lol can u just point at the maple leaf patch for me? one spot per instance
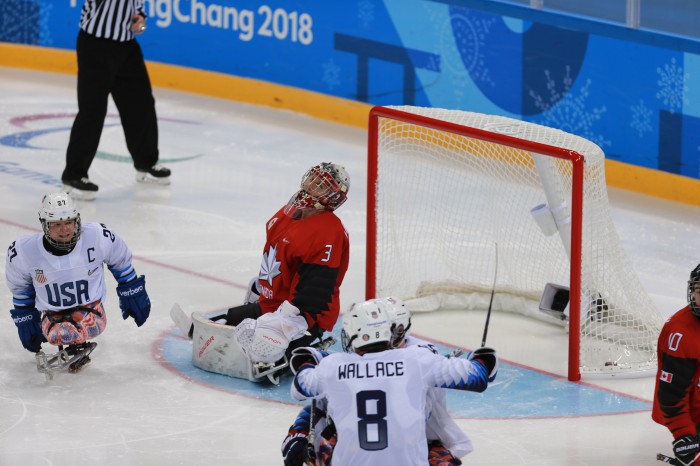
(270, 266)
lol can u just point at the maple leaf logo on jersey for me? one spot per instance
(270, 266)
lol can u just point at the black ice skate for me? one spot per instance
(82, 189)
(157, 174)
(72, 359)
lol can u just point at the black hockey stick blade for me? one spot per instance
(668, 459)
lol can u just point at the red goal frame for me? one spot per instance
(576, 159)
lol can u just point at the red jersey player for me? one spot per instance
(295, 297)
(677, 394)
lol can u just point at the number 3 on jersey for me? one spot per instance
(327, 254)
(372, 426)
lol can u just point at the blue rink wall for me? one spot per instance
(634, 92)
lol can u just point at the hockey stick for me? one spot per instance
(668, 459)
(182, 320)
(493, 291)
(458, 352)
(311, 447)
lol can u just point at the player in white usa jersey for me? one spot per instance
(376, 396)
(57, 280)
(446, 441)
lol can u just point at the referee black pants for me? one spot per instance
(110, 67)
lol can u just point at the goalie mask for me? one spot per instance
(694, 291)
(399, 317)
(366, 328)
(59, 207)
(324, 187)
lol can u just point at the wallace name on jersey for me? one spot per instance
(370, 369)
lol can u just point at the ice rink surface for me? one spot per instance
(199, 241)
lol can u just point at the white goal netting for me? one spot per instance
(449, 207)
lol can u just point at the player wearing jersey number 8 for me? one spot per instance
(365, 388)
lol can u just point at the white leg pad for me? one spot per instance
(215, 349)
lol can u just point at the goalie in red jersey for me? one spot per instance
(295, 297)
(677, 394)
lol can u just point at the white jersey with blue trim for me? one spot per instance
(378, 400)
(37, 278)
(440, 425)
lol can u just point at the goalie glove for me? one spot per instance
(252, 295)
(487, 356)
(271, 333)
(687, 449)
(305, 355)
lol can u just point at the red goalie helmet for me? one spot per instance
(694, 291)
(323, 187)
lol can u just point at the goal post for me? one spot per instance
(446, 186)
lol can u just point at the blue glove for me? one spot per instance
(134, 301)
(28, 322)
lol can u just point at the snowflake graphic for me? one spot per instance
(270, 266)
(331, 74)
(641, 118)
(566, 111)
(45, 30)
(365, 13)
(673, 85)
(461, 45)
(19, 20)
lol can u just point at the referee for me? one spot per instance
(110, 61)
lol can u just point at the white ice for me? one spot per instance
(199, 241)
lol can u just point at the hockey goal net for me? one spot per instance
(461, 203)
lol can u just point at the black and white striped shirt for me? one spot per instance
(110, 19)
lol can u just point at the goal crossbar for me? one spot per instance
(497, 134)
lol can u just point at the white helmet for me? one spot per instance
(59, 207)
(366, 328)
(399, 317)
(323, 187)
